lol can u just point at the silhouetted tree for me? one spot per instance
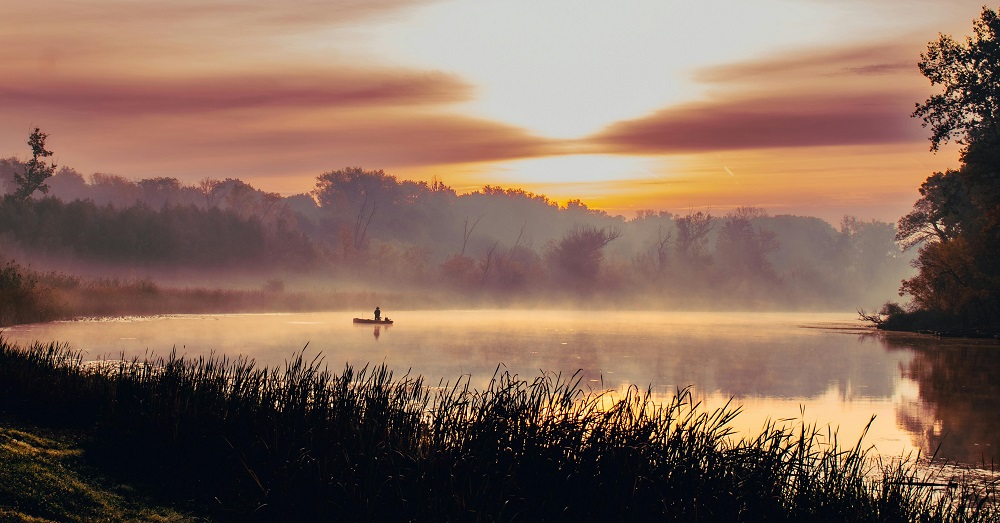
(956, 221)
(157, 192)
(870, 257)
(692, 239)
(67, 184)
(940, 212)
(113, 189)
(742, 247)
(351, 197)
(36, 170)
(212, 190)
(969, 108)
(578, 256)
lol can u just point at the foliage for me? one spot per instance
(578, 256)
(36, 170)
(493, 245)
(302, 443)
(353, 198)
(969, 108)
(21, 298)
(939, 214)
(43, 477)
(692, 238)
(180, 234)
(956, 221)
(742, 247)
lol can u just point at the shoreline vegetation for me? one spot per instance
(895, 318)
(27, 296)
(235, 442)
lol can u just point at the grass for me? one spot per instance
(43, 478)
(302, 443)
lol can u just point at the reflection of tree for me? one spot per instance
(959, 386)
(744, 363)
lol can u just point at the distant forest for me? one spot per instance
(367, 229)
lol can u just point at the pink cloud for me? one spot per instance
(123, 96)
(782, 120)
(818, 65)
(277, 143)
(829, 97)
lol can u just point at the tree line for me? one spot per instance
(368, 227)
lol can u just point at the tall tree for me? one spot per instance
(36, 171)
(352, 196)
(969, 108)
(577, 258)
(692, 239)
(956, 221)
(742, 247)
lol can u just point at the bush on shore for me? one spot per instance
(893, 317)
(22, 299)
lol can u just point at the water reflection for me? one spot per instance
(924, 392)
(959, 397)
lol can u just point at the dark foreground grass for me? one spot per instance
(301, 443)
(44, 478)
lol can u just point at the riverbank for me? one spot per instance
(303, 443)
(894, 318)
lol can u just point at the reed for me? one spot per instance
(22, 299)
(303, 443)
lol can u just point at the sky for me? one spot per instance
(797, 106)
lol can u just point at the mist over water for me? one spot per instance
(824, 368)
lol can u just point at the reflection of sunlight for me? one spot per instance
(907, 390)
(838, 183)
(844, 419)
(768, 361)
(601, 181)
(577, 168)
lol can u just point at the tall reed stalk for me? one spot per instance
(301, 443)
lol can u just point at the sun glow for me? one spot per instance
(629, 105)
(565, 70)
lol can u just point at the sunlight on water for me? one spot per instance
(823, 369)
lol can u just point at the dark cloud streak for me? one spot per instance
(128, 97)
(883, 58)
(778, 121)
(860, 95)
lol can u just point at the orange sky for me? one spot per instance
(797, 106)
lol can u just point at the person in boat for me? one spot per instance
(378, 314)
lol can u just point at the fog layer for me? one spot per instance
(367, 230)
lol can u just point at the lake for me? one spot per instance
(926, 394)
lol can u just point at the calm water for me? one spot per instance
(818, 368)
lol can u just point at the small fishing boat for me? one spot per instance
(384, 321)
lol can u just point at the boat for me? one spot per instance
(384, 321)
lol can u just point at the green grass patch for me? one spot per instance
(43, 477)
